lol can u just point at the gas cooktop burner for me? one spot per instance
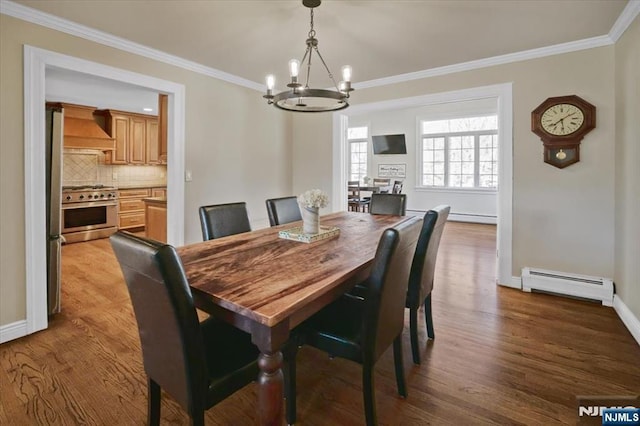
(85, 187)
(84, 193)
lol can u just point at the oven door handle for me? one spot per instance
(89, 204)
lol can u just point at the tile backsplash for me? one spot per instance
(84, 167)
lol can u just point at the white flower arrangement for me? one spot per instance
(313, 198)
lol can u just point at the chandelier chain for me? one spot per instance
(312, 32)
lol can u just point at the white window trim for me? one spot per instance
(456, 190)
(420, 152)
(369, 147)
(366, 141)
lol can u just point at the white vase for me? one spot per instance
(310, 220)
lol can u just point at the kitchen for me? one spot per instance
(111, 171)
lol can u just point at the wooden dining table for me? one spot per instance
(266, 285)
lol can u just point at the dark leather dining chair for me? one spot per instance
(388, 204)
(197, 364)
(283, 210)
(361, 329)
(422, 274)
(220, 220)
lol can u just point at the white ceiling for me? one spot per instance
(82, 89)
(250, 39)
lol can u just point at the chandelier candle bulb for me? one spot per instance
(346, 73)
(271, 82)
(294, 67)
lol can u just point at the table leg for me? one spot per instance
(270, 388)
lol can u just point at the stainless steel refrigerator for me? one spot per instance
(53, 148)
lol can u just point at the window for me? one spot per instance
(358, 138)
(460, 153)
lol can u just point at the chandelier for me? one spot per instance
(300, 97)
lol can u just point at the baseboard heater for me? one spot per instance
(594, 288)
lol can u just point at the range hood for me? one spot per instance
(81, 131)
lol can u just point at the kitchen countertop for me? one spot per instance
(157, 200)
(138, 185)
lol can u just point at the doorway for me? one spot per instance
(503, 94)
(35, 62)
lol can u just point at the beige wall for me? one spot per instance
(562, 219)
(627, 228)
(236, 147)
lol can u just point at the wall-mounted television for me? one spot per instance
(389, 144)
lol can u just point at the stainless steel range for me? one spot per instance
(89, 212)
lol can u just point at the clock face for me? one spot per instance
(562, 119)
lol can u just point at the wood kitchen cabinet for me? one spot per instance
(131, 213)
(136, 137)
(163, 112)
(131, 207)
(156, 218)
(138, 141)
(159, 192)
(152, 145)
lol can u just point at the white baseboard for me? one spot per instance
(13, 331)
(628, 318)
(516, 282)
(473, 218)
(460, 217)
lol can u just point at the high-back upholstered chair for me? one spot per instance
(220, 220)
(361, 329)
(422, 273)
(283, 210)
(198, 364)
(388, 204)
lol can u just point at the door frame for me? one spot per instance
(36, 61)
(504, 94)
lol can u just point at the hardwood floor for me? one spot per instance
(500, 356)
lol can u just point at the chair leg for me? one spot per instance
(197, 417)
(399, 364)
(368, 391)
(428, 317)
(289, 371)
(153, 403)
(413, 331)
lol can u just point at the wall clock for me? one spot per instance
(561, 123)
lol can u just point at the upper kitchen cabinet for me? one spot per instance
(163, 112)
(153, 148)
(136, 137)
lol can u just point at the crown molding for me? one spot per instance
(46, 20)
(10, 8)
(541, 52)
(625, 19)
